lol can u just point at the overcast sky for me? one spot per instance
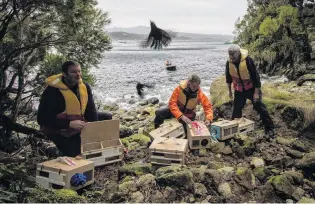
(195, 16)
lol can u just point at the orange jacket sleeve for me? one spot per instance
(206, 104)
(172, 104)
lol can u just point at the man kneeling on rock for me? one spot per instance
(65, 106)
(183, 102)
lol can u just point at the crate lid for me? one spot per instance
(57, 165)
(169, 144)
(165, 128)
(100, 131)
(225, 123)
(204, 131)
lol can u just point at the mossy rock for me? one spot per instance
(143, 140)
(284, 141)
(245, 178)
(146, 181)
(213, 176)
(127, 187)
(307, 163)
(294, 177)
(169, 169)
(249, 146)
(260, 173)
(200, 189)
(39, 195)
(282, 186)
(199, 173)
(125, 131)
(126, 179)
(181, 180)
(135, 169)
(306, 200)
(111, 107)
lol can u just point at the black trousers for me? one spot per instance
(71, 146)
(165, 113)
(240, 101)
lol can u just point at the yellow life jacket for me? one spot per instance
(191, 103)
(74, 106)
(243, 78)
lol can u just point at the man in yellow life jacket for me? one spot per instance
(66, 104)
(183, 102)
(242, 73)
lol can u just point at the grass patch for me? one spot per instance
(274, 94)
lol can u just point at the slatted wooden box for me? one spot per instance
(198, 140)
(57, 175)
(245, 125)
(224, 129)
(169, 129)
(168, 151)
(100, 142)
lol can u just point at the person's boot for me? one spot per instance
(270, 133)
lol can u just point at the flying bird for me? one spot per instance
(157, 38)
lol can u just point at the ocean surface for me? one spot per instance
(127, 63)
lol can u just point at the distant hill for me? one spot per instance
(140, 33)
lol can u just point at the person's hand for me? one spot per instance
(185, 119)
(208, 123)
(231, 95)
(77, 124)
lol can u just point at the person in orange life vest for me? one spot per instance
(65, 106)
(183, 102)
(241, 71)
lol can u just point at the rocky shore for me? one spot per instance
(247, 168)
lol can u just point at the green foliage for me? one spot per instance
(276, 36)
(268, 26)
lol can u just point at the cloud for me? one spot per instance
(207, 16)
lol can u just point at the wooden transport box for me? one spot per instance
(54, 174)
(100, 142)
(198, 139)
(167, 151)
(245, 125)
(169, 129)
(224, 129)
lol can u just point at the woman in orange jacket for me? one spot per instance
(183, 102)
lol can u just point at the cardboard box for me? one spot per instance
(245, 125)
(57, 175)
(100, 142)
(167, 151)
(169, 129)
(224, 129)
(198, 139)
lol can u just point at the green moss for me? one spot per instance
(306, 200)
(39, 195)
(241, 170)
(139, 138)
(136, 169)
(259, 172)
(168, 169)
(126, 179)
(125, 142)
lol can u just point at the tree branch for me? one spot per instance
(5, 121)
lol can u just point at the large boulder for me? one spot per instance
(224, 190)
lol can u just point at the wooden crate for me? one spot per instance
(245, 125)
(198, 140)
(224, 129)
(169, 129)
(100, 142)
(54, 174)
(167, 151)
